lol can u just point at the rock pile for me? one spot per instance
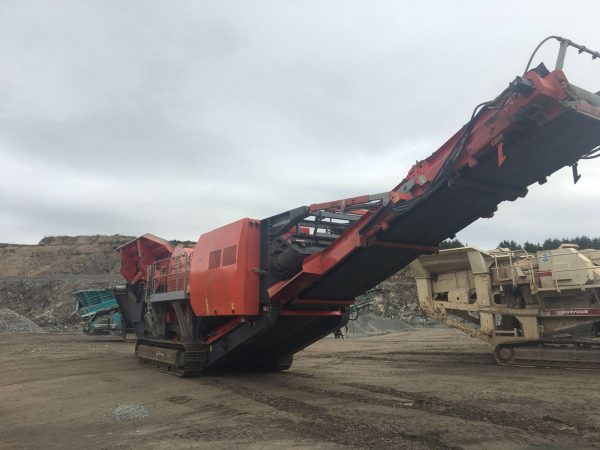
(11, 322)
(368, 324)
(396, 298)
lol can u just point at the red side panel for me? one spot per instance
(223, 279)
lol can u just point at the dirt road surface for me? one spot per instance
(424, 388)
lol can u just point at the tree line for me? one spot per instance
(532, 247)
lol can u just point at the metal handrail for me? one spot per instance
(173, 268)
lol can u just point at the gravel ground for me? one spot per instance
(11, 322)
(417, 389)
(130, 411)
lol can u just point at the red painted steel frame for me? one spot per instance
(305, 313)
(341, 205)
(224, 329)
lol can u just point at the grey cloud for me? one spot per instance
(177, 118)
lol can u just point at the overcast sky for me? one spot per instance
(178, 117)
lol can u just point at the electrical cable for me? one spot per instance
(558, 38)
(580, 48)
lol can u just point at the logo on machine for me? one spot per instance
(575, 312)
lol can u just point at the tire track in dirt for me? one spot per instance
(438, 406)
(425, 358)
(547, 425)
(319, 423)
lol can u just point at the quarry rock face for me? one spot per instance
(37, 281)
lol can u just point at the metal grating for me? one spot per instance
(214, 259)
(229, 255)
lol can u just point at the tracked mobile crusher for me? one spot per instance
(255, 292)
(539, 309)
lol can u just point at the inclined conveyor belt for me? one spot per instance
(531, 155)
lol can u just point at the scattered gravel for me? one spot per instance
(370, 324)
(11, 322)
(130, 411)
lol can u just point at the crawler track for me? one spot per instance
(561, 354)
(178, 358)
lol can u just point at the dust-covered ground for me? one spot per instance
(416, 388)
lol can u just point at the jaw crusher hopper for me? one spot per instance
(538, 309)
(254, 292)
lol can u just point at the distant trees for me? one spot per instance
(451, 243)
(175, 242)
(532, 247)
(511, 245)
(552, 243)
